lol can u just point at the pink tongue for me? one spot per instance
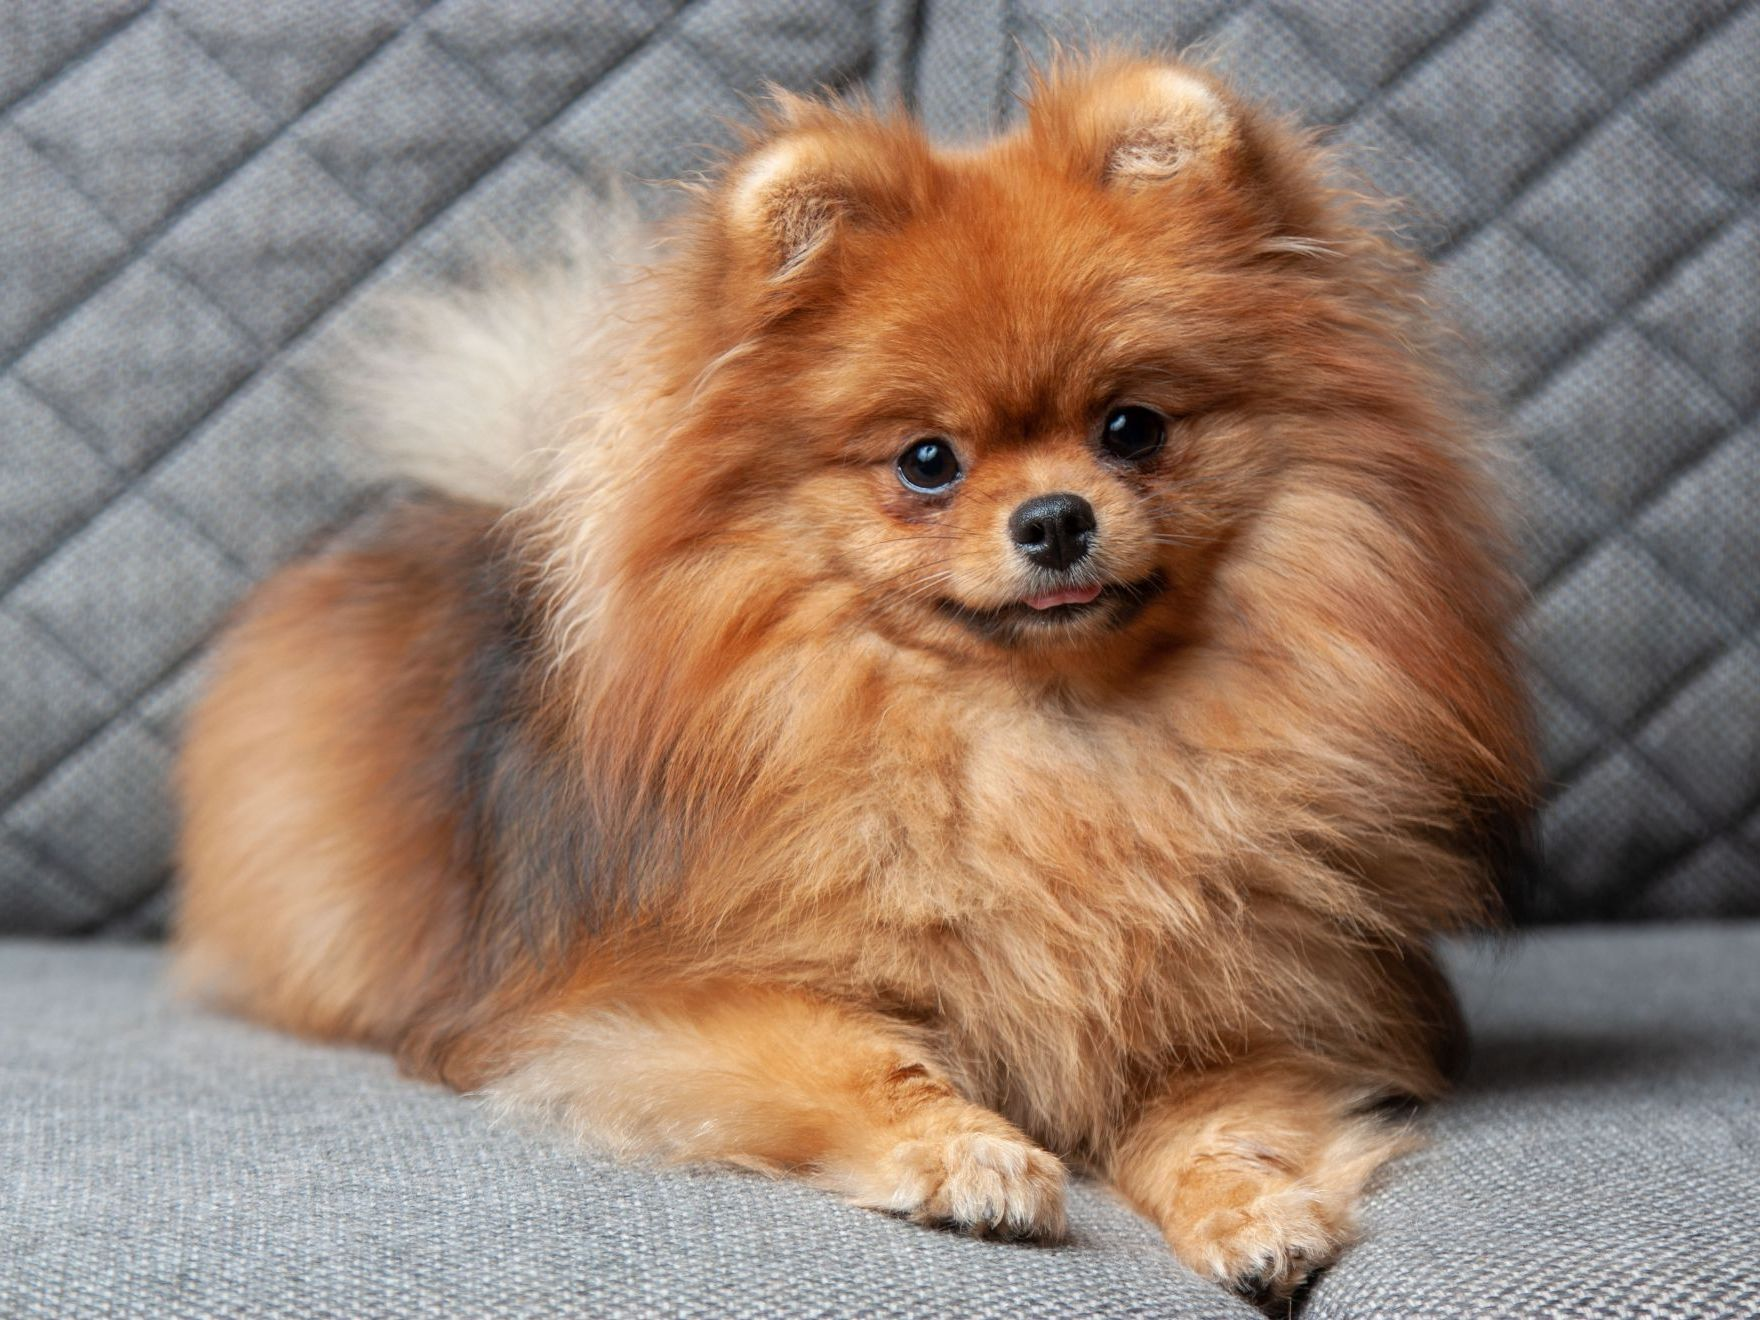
(1068, 596)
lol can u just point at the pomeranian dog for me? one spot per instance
(978, 662)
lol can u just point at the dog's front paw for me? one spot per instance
(1259, 1236)
(1260, 1220)
(983, 1182)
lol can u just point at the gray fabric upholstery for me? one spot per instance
(198, 193)
(166, 1164)
(1603, 1156)
(1602, 1159)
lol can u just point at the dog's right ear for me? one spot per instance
(818, 173)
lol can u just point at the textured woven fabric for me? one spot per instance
(1588, 175)
(165, 1164)
(1602, 1159)
(199, 192)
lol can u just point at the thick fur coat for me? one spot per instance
(731, 788)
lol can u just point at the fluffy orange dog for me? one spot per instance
(1007, 668)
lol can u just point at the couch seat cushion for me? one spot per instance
(159, 1161)
(1603, 1158)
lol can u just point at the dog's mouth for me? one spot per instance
(1089, 607)
(1052, 600)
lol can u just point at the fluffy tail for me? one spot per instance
(463, 390)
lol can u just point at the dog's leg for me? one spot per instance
(781, 1082)
(1253, 1172)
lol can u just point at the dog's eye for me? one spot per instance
(928, 466)
(1133, 433)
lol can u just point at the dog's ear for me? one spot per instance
(816, 173)
(1160, 130)
(1138, 123)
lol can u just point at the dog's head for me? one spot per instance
(1021, 398)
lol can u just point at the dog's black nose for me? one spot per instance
(1053, 530)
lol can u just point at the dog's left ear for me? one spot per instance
(1138, 123)
(1170, 131)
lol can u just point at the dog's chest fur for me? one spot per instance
(1036, 886)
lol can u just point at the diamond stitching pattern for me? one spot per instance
(1588, 185)
(209, 190)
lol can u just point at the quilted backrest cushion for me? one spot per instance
(194, 197)
(1587, 175)
(197, 195)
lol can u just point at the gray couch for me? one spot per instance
(196, 197)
